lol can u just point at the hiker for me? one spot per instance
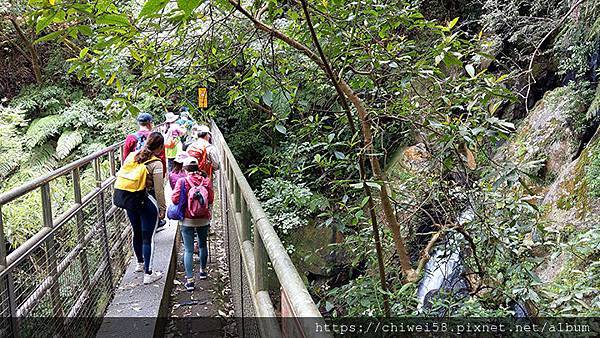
(196, 222)
(186, 122)
(136, 141)
(139, 189)
(173, 141)
(177, 171)
(206, 153)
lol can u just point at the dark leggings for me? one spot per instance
(144, 221)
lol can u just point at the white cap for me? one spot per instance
(190, 161)
(181, 156)
(203, 129)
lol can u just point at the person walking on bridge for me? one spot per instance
(196, 222)
(173, 140)
(135, 142)
(139, 189)
(205, 152)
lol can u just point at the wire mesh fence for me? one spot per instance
(60, 280)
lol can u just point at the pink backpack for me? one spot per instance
(197, 199)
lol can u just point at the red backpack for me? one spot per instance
(197, 198)
(200, 152)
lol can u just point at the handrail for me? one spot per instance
(40, 181)
(72, 245)
(265, 238)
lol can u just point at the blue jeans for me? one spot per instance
(188, 234)
(144, 221)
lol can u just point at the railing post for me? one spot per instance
(51, 251)
(245, 226)
(85, 273)
(8, 288)
(102, 213)
(111, 159)
(260, 262)
(230, 178)
(237, 196)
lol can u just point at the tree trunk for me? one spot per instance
(33, 55)
(343, 87)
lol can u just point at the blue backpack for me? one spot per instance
(140, 140)
(177, 211)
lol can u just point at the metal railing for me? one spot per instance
(70, 266)
(255, 252)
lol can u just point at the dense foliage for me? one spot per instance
(313, 96)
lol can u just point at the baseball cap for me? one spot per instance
(190, 160)
(144, 118)
(203, 129)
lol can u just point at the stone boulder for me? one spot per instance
(548, 133)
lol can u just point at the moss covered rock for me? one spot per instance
(548, 133)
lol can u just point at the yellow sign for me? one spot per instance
(202, 97)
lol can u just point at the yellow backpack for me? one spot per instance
(132, 175)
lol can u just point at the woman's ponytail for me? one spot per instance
(154, 142)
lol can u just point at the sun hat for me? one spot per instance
(203, 129)
(181, 156)
(144, 118)
(190, 160)
(170, 117)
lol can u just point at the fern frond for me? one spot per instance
(67, 142)
(44, 99)
(42, 129)
(41, 159)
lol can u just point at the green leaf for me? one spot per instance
(113, 20)
(452, 23)
(280, 128)
(339, 155)
(364, 201)
(268, 98)
(470, 70)
(83, 52)
(85, 30)
(188, 6)
(152, 7)
(48, 37)
(135, 55)
(44, 21)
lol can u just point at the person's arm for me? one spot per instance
(159, 187)
(211, 191)
(163, 159)
(214, 158)
(129, 146)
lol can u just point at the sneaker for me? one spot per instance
(189, 284)
(139, 267)
(153, 277)
(203, 275)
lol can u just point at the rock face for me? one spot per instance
(547, 133)
(572, 203)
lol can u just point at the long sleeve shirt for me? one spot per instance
(155, 182)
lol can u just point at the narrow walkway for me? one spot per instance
(207, 311)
